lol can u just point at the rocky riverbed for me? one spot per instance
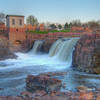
(45, 87)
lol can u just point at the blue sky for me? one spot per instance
(60, 11)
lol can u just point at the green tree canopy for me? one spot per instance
(60, 26)
(66, 25)
(53, 26)
(70, 24)
(32, 20)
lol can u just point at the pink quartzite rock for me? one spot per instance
(42, 82)
(86, 56)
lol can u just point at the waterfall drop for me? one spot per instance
(36, 47)
(62, 49)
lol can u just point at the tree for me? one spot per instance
(32, 20)
(60, 26)
(99, 22)
(47, 25)
(66, 25)
(70, 24)
(93, 24)
(76, 23)
(53, 26)
(2, 18)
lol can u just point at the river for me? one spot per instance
(13, 72)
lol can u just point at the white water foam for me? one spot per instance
(59, 61)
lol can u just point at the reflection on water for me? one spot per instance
(73, 79)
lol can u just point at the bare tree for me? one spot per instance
(2, 18)
(76, 23)
(93, 24)
(32, 20)
(47, 24)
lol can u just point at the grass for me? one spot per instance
(68, 30)
(46, 32)
(37, 32)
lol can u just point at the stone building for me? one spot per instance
(15, 21)
(15, 28)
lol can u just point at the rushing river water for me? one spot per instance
(13, 72)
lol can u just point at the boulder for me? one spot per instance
(86, 96)
(82, 88)
(53, 74)
(42, 82)
(86, 56)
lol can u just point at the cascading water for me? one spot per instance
(36, 47)
(62, 49)
(54, 48)
(13, 72)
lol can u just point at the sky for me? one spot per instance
(57, 11)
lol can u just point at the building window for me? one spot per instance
(20, 22)
(13, 21)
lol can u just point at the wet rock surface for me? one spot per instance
(5, 52)
(27, 45)
(86, 57)
(83, 88)
(42, 82)
(47, 45)
(41, 95)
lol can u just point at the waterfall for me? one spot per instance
(36, 47)
(54, 47)
(62, 49)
